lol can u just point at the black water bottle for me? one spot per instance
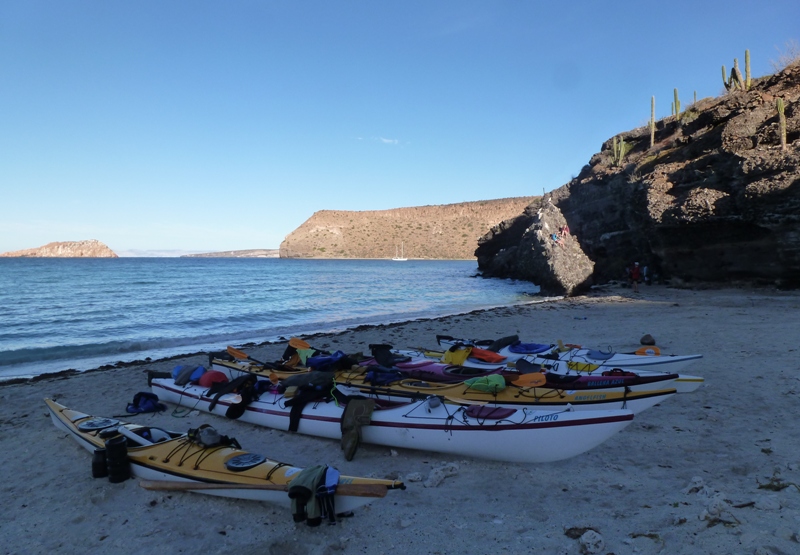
(117, 460)
(99, 465)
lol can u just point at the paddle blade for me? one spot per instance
(298, 343)
(236, 353)
(534, 379)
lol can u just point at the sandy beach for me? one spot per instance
(713, 471)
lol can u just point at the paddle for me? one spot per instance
(241, 355)
(355, 490)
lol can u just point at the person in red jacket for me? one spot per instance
(636, 276)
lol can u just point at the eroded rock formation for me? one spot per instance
(547, 253)
(715, 199)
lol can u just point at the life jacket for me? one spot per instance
(219, 389)
(457, 354)
(315, 386)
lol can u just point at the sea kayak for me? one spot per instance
(521, 435)
(173, 461)
(515, 395)
(576, 359)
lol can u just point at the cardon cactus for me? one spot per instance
(618, 151)
(652, 121)
(781, 122)
(747, 70)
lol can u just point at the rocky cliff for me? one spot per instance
(439, 232)
(716, 198)
(91, 248)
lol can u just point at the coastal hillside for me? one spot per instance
(91, 248)
(710, 194)
(447, 231)
(250, 253)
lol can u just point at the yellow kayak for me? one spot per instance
(174, 461)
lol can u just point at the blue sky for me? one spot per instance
(210, 125)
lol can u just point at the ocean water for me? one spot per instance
(59, 314)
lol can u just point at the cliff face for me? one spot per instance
(715, 199)
(439, 232)
(91, 248)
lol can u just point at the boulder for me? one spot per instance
(547, 253)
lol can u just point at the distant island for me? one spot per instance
(252, 253)
(91, 248)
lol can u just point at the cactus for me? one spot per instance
(619, 149)
(747, 70)
(695, 98)
(736, 75)
(725, 79)
(782, 122)
(652, 121)
(677, 106)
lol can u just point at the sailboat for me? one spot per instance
(401, 257)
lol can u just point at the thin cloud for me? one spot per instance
(388, 141)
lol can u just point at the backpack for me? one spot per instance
(144, 401)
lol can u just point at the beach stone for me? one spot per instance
(647, 339)
(413, 477)
(591, 542)
(438, 475)
(717, 505)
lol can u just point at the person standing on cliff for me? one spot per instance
(636, 276)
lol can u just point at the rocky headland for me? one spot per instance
(91, 248)
(436, 232)
(712, 195)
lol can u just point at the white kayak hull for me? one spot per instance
(526, 436)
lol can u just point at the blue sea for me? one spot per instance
(65, 313)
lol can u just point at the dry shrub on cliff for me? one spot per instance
(790, 55)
